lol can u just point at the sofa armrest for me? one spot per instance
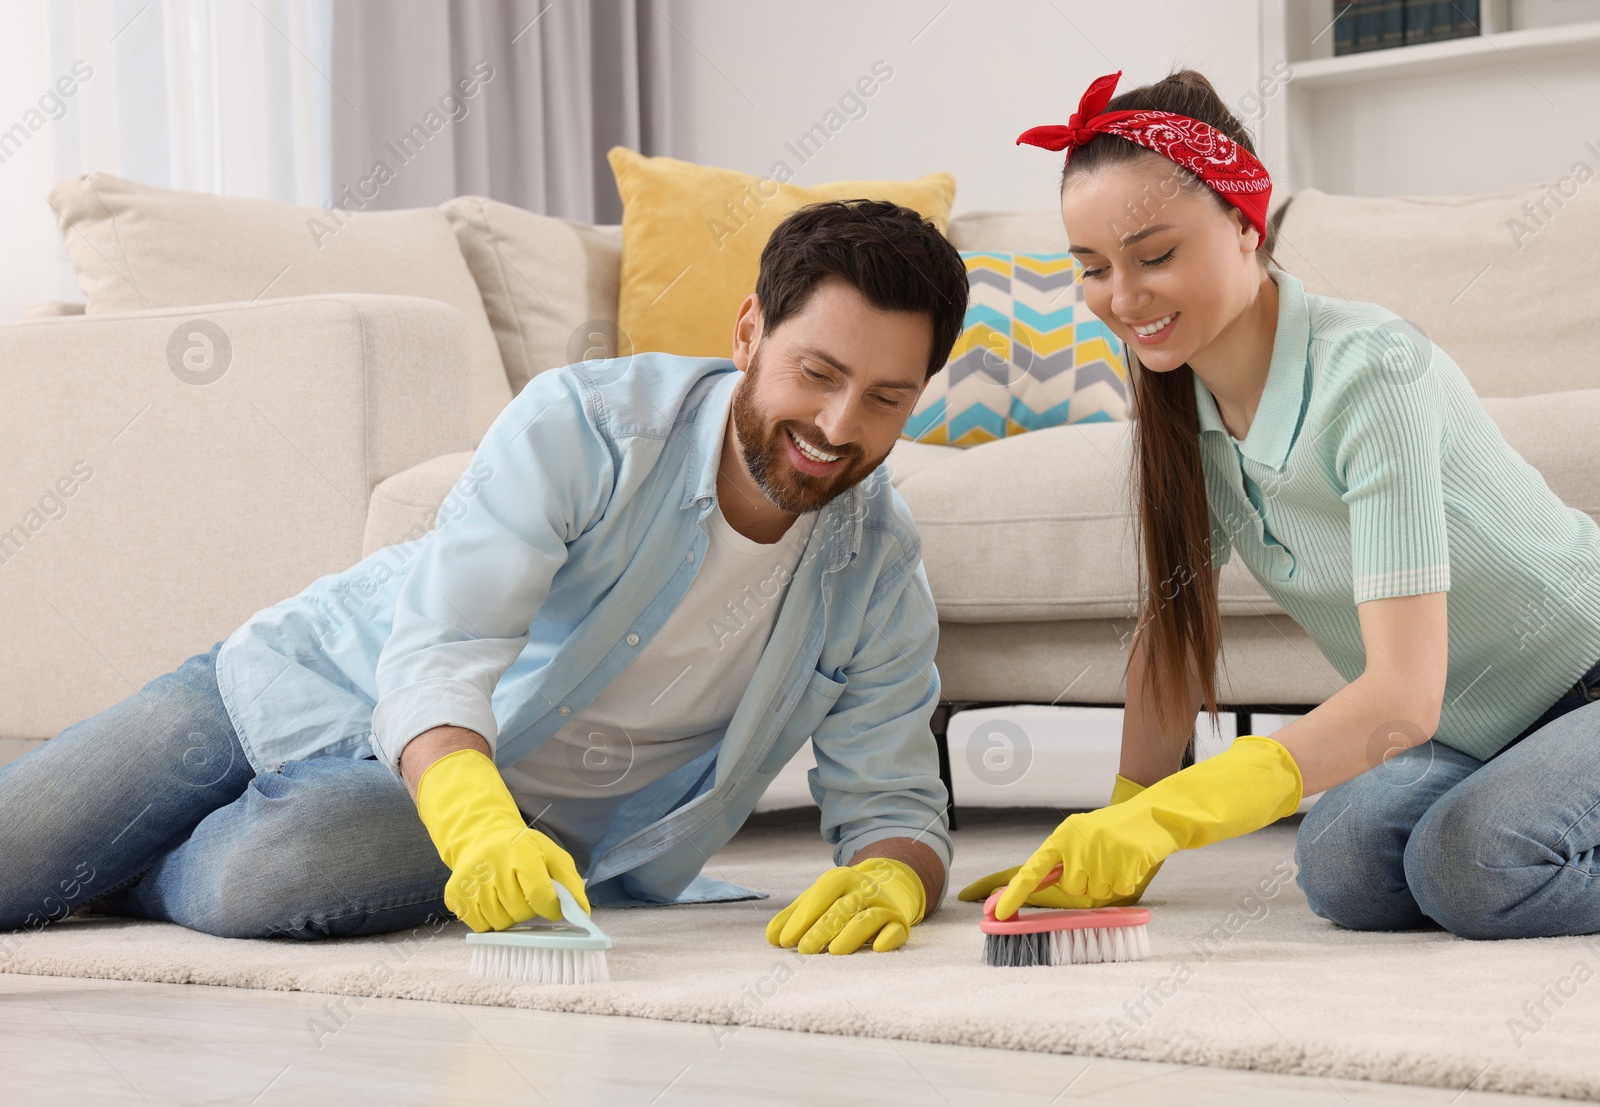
(406, 506)
(169, 472)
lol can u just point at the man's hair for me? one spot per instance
(894, 257)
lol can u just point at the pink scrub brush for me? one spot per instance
(1064, 937)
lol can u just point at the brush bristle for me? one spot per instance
(1086, 946)
(540, 966)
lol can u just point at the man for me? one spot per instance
(659, 577)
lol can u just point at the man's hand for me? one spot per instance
(878, 900)
(501, 869)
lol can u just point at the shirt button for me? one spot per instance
(689, 556)
(563, 710)
(633, 639)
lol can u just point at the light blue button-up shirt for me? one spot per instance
(561, 550)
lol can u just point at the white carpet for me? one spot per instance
(1242, 975)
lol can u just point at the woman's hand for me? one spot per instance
(1115, 850)
(1051, 895)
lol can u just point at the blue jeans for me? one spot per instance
(1504, 848)
(150, 810)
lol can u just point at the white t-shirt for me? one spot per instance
(674, 699)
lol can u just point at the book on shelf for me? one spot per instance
(1419, 21)
(1368, 24)
(1444, 16)
(1344, 28)
(1391, 24)
(1362, 25)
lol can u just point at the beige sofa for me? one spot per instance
(146, 513)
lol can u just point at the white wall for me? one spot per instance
(35, 265)
(217, 97)
(1500, 124)
(968, 77)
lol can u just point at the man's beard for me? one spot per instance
(766, 455)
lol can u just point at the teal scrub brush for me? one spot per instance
(543, 951)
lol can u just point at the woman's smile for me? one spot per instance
(1155, 331)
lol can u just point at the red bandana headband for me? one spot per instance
(1228, 168)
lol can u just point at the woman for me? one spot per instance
(1348, 460)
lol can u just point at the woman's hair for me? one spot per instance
(1179, 620)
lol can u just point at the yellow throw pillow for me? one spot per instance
(692, 237)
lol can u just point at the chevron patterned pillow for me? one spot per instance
(1031, 355)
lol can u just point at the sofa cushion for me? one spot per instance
(407, 504)
(1040, 526)
(1032, 230)
(549, 285)
(908, 458)
(1554, 432)
(1031, 355)
(136, 246)
(1503, 287)
(1035, 527)
(693, 235)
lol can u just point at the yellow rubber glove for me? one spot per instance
(880, 900)
(1109, 852)
(501, 869)
(1051, 895)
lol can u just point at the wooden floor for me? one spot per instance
(109, 1042)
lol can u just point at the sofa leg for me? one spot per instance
(941, 727)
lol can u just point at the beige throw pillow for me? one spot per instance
(548, 284)
(137, 246)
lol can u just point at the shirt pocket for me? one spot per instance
(822, 692)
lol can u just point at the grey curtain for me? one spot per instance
(518, 100)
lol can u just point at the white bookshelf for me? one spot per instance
(1438, 57)
(1304, 117)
